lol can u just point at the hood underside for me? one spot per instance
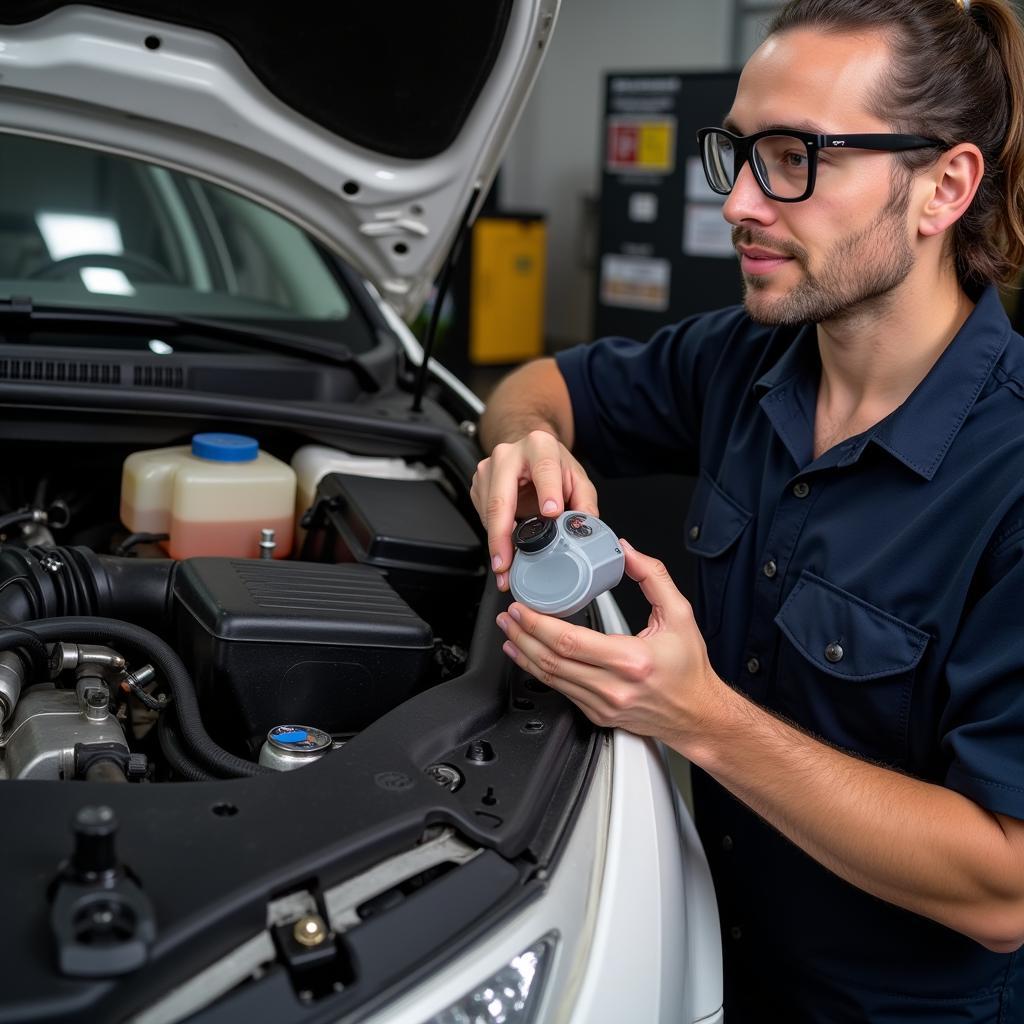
(370, 126)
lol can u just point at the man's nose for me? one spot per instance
(746, 202)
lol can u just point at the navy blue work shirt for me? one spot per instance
(874, 596)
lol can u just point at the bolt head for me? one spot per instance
(310, 931)
(93, 820)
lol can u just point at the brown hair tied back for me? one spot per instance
(959, 82)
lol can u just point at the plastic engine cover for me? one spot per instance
(330, 646)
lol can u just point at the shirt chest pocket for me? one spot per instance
(714, 524)
(846, 669)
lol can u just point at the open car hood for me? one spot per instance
(370, 126)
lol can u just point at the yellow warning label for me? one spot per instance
(656, 145)
(641, 145)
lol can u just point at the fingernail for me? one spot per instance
(503, 581)
(514, 612)
(503, 622)
(496, 562)
(625, 543)
(549, 507)
(510, 649)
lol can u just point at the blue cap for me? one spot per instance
(291, 736)
(225, 447)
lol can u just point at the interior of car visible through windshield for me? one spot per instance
(85, 228)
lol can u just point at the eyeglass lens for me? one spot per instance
(781, 162)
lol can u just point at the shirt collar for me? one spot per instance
(922, 429)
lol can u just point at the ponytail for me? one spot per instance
(957, 75)
(1002, 26)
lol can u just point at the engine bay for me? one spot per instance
(140, 690)
(119, 662)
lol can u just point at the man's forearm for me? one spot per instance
(534, 397)
(917, 845)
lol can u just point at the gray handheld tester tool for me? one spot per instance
(562, 564)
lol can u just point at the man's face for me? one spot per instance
(849, 245)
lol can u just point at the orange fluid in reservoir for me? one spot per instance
(152, 520)
(190, 539)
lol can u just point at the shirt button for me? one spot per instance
(694, 532)
(753, 666)
(801, 490)
(727, 843)
(736, 932)
(834, 652)
(769, 568)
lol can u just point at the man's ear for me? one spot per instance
(952, 182)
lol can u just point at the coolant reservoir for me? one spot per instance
(212, 498)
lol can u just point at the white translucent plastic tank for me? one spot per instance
(213, 498)
(313, 462)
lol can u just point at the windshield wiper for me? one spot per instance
(20, 316)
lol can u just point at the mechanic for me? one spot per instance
(849, 684)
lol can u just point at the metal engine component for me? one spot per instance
(292, 746)
(12, 678)
(268, 543)
(47, 724)
(64, 656)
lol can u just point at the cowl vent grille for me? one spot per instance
(159, 377)
(60, 370)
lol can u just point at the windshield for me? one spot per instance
(82, 228)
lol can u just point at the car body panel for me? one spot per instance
(84, 75)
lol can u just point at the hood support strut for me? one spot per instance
(442, 289)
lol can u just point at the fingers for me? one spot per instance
(586, 700)
(580, 493)
(560, 648)
(500, 498)
(600, 696)
(538, 461)
(545, 455)
(549, 668)
(656, 583)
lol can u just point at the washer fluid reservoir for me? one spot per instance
(213, 498)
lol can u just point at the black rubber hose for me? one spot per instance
(113, 631)
(122, 550)
(40, 583)
(170, 744)
(33, 650)
(105, 771)
(23, 515)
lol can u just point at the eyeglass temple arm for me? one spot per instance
(893, 143)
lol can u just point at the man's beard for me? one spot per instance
(858, 270)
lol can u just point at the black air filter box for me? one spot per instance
(273, 643)
(409, 528)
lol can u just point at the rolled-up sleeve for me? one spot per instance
(637, 406)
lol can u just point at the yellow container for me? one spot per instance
(213, 498)
(506, 308)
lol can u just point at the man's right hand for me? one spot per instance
(535, 475)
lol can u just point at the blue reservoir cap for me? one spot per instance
(291, 736)
(225, 447)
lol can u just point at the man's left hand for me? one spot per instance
(658, 683)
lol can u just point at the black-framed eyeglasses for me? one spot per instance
(784, 160)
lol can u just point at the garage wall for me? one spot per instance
(552, 161)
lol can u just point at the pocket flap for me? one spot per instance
(845, 636)
(714, 521)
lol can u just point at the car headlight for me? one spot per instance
(509, 996)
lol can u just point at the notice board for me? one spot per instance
(664, 249)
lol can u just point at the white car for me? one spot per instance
(296, 780)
